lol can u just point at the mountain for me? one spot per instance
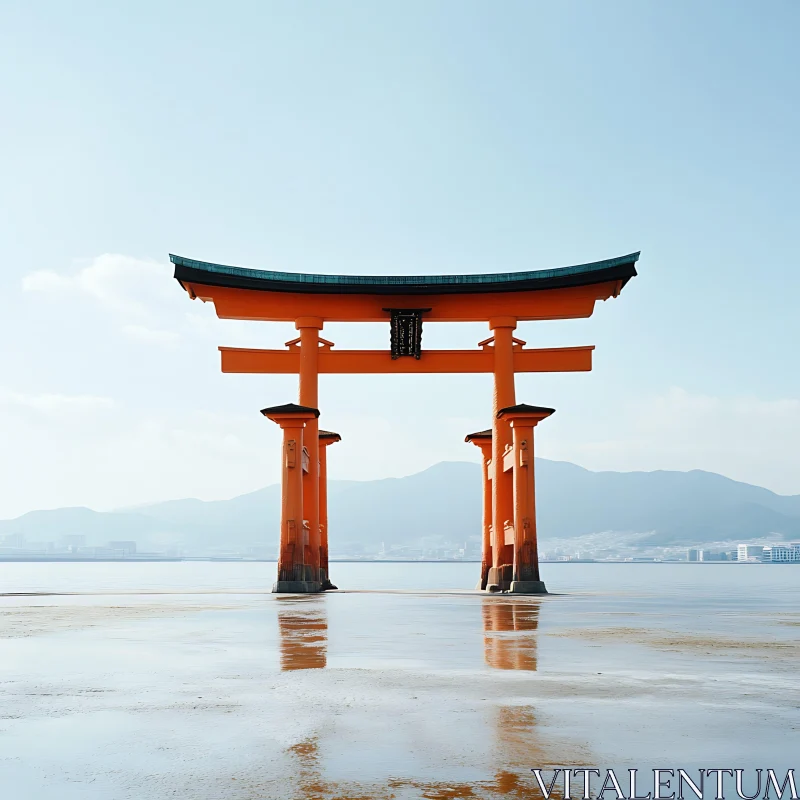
(678, 507)
(444, 503)
(50, 526)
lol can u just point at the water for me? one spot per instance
(762, 583)
(155, 680)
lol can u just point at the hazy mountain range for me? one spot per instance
(444, 501)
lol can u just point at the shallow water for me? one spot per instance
(188, 679)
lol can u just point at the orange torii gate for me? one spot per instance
(509, 553)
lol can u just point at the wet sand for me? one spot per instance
(244, 694)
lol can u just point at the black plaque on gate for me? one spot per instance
(406, 331)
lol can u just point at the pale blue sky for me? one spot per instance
(405, 138)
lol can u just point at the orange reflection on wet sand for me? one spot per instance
(303, 629)
(509, 629)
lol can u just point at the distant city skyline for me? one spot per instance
(400, 139)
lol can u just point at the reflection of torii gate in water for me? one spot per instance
(514, 743)
(509, 554)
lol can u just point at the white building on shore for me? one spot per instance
(782, 553)
(750, 552)
(769, 554)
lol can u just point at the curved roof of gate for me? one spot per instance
(188, 270)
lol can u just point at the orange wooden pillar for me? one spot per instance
(502, 484)
(483, 439)
(523, 419)
(326, 438)
(309, 328)
(293, 569)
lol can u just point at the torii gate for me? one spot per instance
(509, 554)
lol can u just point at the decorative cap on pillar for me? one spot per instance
(502, 322)
(309, 322)
(329, 437)
(290, 411)
(475, 437)
(525, 413)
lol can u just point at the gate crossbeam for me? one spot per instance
(362, 362)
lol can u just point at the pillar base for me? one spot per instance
(528, 587)
(494, 577)
(501, 577)
(296, 587)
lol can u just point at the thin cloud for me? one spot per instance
(45, 280)
(746, 438)
(146, 304)
(129, 286)
(54, 403)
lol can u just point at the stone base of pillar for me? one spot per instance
(484, 575)
(296, 587)
(528, 587)
(500, 577)
(324, 581)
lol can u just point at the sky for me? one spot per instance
(392, 138)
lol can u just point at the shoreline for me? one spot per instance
(32, 559)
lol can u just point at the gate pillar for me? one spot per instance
(523, 419)
(309, 328)
(326, 438)
(483, 439)
(295, 574)
(502, 485)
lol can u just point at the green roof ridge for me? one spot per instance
(401, 280)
